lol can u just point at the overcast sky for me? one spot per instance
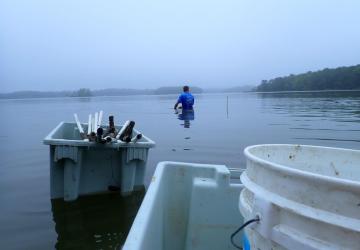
(68, 44)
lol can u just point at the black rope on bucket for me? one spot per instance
(256, 219)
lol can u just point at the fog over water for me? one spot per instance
(47, 45)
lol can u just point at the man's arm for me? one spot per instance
(176, 104)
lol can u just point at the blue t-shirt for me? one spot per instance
(187, 100)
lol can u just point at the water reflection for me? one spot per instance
(186, 116)
(340, 106)
(315, 117)
(95, 222)
(330, 95)
(326, 139)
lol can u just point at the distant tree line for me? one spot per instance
(85, 92)
(176, 90)
(34, 94)
(342, 78)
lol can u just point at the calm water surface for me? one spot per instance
(212, 134)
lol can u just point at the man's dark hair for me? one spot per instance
(186, 88)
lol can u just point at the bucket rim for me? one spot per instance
(302, 173)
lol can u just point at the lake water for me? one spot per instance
(216, 133)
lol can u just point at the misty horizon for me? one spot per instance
(129, 88)
(47, 46)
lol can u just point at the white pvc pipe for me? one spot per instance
(122, 129)
(96, 120)
(89, 124)
(100, 118)
(93, 124)
(81, 130)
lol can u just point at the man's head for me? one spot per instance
(186, 88)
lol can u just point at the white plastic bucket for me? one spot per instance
(307, 197)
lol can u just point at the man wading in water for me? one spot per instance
(186, 99)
